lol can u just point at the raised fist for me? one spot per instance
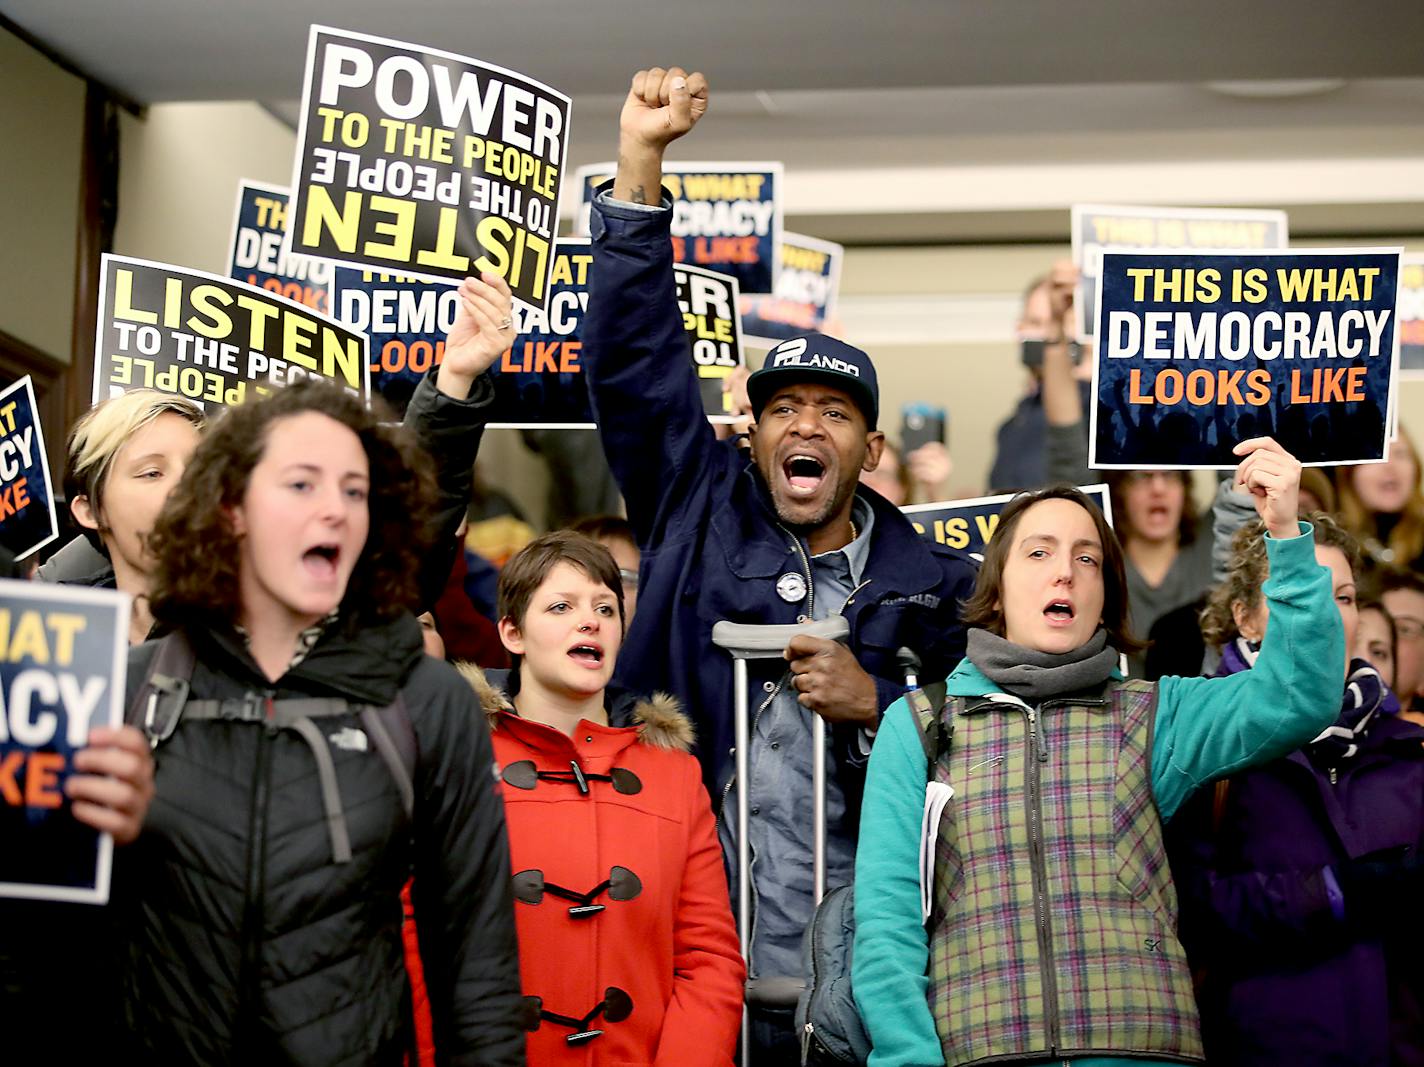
(662, 105)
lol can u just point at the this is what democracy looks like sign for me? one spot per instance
(62, 659)
(725, 216)
(419, 162)
(27, 519)
(969, 525)
(259, 231)
(1197, 352)
(806, 288)
(1098, 227)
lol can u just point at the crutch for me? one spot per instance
(744, 641)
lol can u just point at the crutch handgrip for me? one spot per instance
(745, 640)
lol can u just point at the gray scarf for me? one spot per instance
(1035, 676)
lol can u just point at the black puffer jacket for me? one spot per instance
(249, 944)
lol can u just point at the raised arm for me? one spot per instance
(450, 409)
(1211, 727)
(644, 390)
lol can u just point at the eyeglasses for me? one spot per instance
(630, 578)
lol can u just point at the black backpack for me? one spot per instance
(832, 1034)
(162, 700)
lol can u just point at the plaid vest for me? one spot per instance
(1053, 930)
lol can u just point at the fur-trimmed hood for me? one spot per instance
(660, 716)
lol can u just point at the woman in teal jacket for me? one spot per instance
(1047, 932)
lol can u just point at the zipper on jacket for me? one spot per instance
(1038, 754)
(1334, 776)
(254, 904)
(806, 569)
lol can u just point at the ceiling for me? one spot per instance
(1004, 103)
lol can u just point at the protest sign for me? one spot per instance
(406, 321)
(1197, 352)
(420, 162)
(27, 519)
(212, 339)
(968, 525)
(259, 230)
(1161, 229)
(1411, 316)
(709, 305)
(725, 216)
(807, 283)
(539, 381)
(63, 652)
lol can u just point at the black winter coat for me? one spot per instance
(248, 943)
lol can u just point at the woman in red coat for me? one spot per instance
(628, 951)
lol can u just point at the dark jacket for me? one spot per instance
(712, 545)
(1297, 965)
(249, 943)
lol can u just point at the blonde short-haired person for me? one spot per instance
(125, 457)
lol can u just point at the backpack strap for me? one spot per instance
(393, 734)
(158, 703)
(928, 703)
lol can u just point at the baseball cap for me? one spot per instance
(815, 357)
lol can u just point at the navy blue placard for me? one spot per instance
(63, 654)
(27, 519)
(1197, 352)
(969, 525)
(726, 217)
(807, 283)
(259, 230)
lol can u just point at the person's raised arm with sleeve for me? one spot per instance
(450, 408)
(645, 395)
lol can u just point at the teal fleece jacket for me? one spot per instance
(1206, 728)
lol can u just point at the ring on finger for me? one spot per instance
(506, 324)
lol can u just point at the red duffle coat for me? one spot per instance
(646, 960)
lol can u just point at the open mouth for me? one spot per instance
(1059, 612)
(804, 473)
(320, 560)
(588, 655)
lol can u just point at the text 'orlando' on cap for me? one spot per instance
(817, 358)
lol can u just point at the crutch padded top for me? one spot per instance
(752, 641)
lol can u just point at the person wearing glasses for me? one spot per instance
(1402, 593)
(616, 534)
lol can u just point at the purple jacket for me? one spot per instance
(1291, 969)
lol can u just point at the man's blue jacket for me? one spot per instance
(712, 545)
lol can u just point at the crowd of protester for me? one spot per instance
(338, 847)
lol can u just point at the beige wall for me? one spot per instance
(178, 177)
(42, 127)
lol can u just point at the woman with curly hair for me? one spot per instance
(1301, 878)
(314, 759)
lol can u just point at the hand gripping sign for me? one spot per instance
(212, 339)
(27, 519)
(1199, 351)
(62, 660)
(424, 163)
